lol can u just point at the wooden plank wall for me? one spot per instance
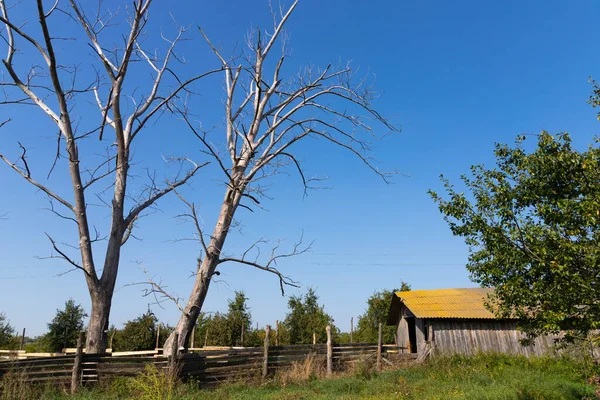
(206, 368)
(469, 337)
(56, 370)
(214, 366)
(102, 367)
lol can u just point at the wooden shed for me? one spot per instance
(456, 321)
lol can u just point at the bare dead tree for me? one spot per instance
(266, 115)
(123, 112)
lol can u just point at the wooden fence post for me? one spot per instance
(22, 340)
(110, 341)
(351, 329)
(174, 352)
(76, 375)
(276, 332)
(265, 370)
(329, 352)
(379, 346)
(158, 337)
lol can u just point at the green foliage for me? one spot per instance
(378, 306)
(153, 384)
(38, 344)
(140, 334)
(487, 376)
(238, 317)
(594, 99)
(64, 329)
(532, 227)
(226, 329)
(6, 332)
(305, 317)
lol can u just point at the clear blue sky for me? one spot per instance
(458, 76)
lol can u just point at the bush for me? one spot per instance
(153, 384)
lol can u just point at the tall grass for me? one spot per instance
(486, 376)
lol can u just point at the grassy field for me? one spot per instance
(482, 377)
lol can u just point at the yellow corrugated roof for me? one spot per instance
(447, 303)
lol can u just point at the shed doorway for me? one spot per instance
(412, 334)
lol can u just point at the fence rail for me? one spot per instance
(206, 367)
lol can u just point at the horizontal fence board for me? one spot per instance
(298, 346)
(249, 351)
(36, 361)
(187, 367)
(221, 368)
(220, 359)
(36, 370)
(294, 358)
(211, 376)
(298, 351)
(207, 367)
(121, 360)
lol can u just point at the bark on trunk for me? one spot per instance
(206, 270)
(99, 322)
(102, 290)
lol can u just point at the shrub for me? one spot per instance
(153, 384)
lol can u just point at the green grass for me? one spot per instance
(481, 377)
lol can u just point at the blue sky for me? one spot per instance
(458, 77)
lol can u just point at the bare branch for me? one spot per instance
(156, 289)
(193, 216)
(268, 266)
(169, 188)
(27, 175)
(63, 256)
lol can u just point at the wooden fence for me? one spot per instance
(206, 367)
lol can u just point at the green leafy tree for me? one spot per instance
(378, 306)
(64, 329)
(226, 329)
(594, 99)
(306, 317)
(140, 334)
(238, 318)
(532, 225)
(6, 332)
(212, 329)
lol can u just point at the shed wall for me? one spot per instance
(468, 336)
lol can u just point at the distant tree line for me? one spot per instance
(235, 327)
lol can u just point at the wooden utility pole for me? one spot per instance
(265, 370)
(329, 352)
(314, 338)
(351, 329)
(76, 375)
(206, 337)
(379, 346)
(276, 332)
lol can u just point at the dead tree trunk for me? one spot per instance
(205, 271)
(53, 90)
(263, 121)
